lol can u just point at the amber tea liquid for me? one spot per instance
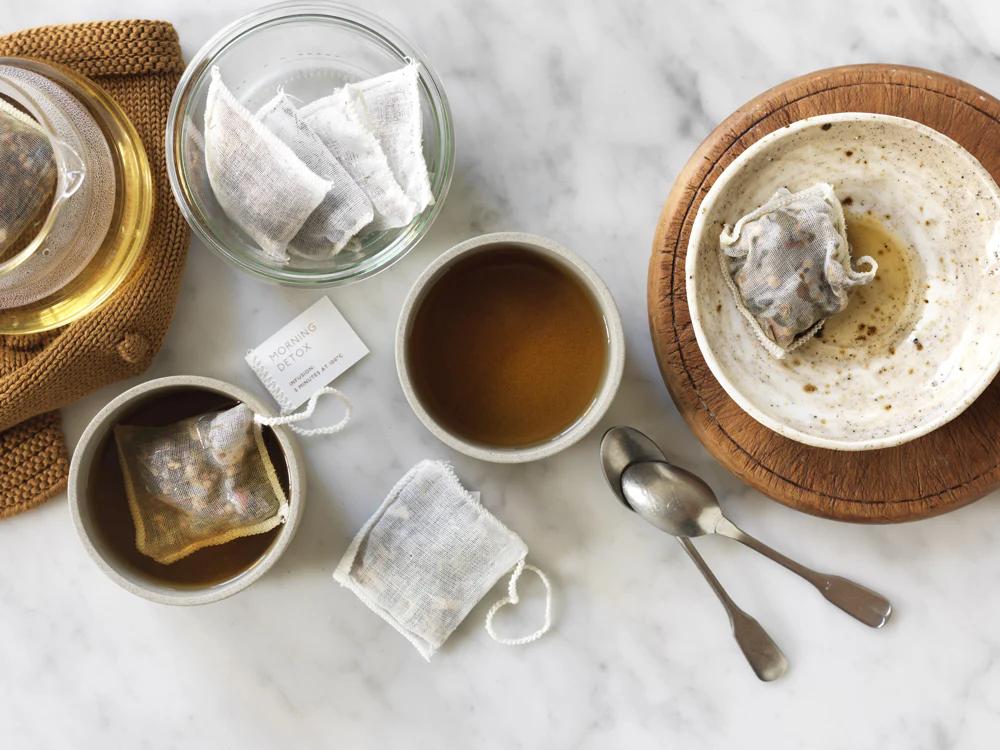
(877, 314)
(507, 348)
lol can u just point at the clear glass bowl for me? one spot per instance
(308, 49)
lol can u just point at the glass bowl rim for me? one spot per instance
(369, 24)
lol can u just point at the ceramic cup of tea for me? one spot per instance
(509, 347)
(100, 506)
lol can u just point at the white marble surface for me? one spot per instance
(572, 120)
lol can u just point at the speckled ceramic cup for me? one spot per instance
(82, 497)
(576, 267)
(892, 382)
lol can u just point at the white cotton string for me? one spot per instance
(513, 598)
(310, 407)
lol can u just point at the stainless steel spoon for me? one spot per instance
(681, 504)
(623, 449)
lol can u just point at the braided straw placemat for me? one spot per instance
(138, 63)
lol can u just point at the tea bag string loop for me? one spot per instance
(514, 598)
(310, 407)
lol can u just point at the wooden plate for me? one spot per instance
(939, 472)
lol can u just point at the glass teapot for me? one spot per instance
(76, 196)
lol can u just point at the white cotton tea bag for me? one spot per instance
(346, 208)
(341, 122)
(258, 180)
(429, 554)
(392, 102)
(788, 265)
(199, 482)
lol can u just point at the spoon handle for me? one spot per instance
(859, 602)
(765, 658)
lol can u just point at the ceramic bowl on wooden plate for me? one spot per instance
(909, 353)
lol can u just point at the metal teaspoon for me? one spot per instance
(680, 503)
(621, 448)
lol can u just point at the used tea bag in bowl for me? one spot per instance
(392, 102)
(199, 482)
(345, 210)
(788, 264)
(341, 122)
(261, 184)
(28, 176)
(429, 554)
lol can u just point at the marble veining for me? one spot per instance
(572, 119)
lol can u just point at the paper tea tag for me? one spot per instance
(306, 354)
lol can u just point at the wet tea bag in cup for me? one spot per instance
(28, 176)
(345, 210)
(429, 554)
(206, 480)
(788, 265)
(258, 180)
(341, 122)
(199, 482)
(392, 102)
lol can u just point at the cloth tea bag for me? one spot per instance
(341, 122)
(429, 553)
(392, 102)
(788, 264)
(28, 176)
(259, 181)
(199, 482)
(345, 210)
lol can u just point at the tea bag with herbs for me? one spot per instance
(392, 102)
(429, 554)
(341, 121)
(28, 176)
(788, 264)
(198, 482)
(345, 210)
(261, 184)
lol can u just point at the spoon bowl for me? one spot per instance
(671, 498)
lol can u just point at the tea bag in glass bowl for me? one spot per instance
(345, 210)
(788, 265)
(341, 122)
(429, 553)
(28, 176)
(259, 181)
(199, 482)
(392, 102)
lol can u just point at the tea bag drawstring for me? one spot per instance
(307, 411)
(514, 598)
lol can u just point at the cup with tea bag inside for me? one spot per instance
(182, 494)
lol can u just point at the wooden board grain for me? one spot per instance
(939, 472)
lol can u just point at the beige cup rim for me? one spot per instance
(616, 346)
(85, 454)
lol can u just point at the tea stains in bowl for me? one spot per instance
(880, 315)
